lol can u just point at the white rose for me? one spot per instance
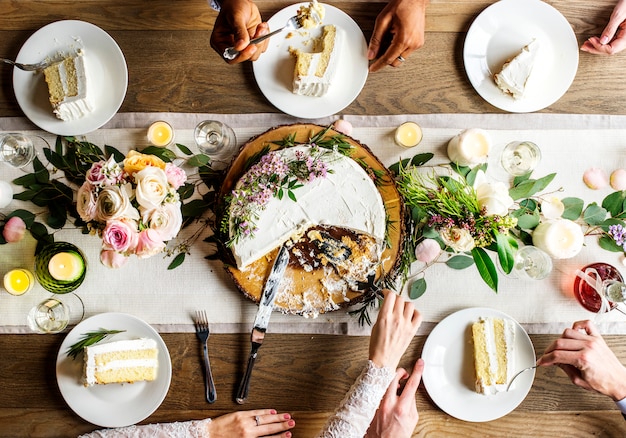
(152, 187)
(492, 196)
(560, 238)
(470, 147)
(458, 239)
(166, 219)
(114, 203)
(86, 202)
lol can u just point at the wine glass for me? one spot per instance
(17, 150)
(216, 140)
(520, 157)
(531, 263)
(598, 286)
(54, 314)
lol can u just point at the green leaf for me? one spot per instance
(505, 252)
(395, 168)
(521, 178)
(418, 287)
(607, 243)
(199, 160)
(186, 191)
(594, 214)
(178, 260)
(529, 204)
(39, 232)
(111, 151)
(531, 186)
(614, 203)
(486, 268)
(573, 208)
(459, 262)
(194, 208)
(421, 159)
(292, 196)
(526, 219)
(26, 216)
(184, 149)
(611, 221)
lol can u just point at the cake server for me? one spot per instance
(266, 305)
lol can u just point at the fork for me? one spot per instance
(518, 374)
(202, 331)
(293, 23)
(32, 67)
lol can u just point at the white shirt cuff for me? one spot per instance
(621, 405)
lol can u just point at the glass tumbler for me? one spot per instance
(216, 140)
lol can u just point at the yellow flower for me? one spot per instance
(136, 161)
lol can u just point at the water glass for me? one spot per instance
(216, 140)
(532, 263)
(17, 150)
(520, 157)
(54, 314)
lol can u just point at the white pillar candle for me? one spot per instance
(469, 148)
(6, 194)
(560, 238)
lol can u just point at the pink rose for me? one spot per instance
(149, 243)
(14, 230)
(112, 259)
(120, 236)
(175, 175)
(427, 250)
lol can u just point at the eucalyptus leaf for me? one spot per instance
(421, 159)
(573, 208)
(531, 186)
(184, 149)
(611, 221)
(594, 214)
(521, 178)
(486, 268)
(607, 243)
(178, 260)
(459, 262)
(198, 160)
(418, 287)
(614, 203)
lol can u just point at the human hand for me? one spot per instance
(397, 415)
(613, 37)
(244, 424)
(405, 21)
(237, 23)
(588, 361)
(395, 327)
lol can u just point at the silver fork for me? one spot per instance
(202, 331)
(32, 67)
(518, 374)
(293, 23)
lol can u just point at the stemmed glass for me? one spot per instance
(216, 140)
(599, 287)
(531, 263)
(520, 157)
(17, 150)
(55, 314)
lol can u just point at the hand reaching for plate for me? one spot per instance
(613, 37)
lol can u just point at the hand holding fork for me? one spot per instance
(202, 331)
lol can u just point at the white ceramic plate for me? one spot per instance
(500, 32)
(449, 369)
(113, 405)
(273, 71)
(106, 70)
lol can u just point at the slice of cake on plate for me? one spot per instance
(68, 87)
(493, 340)
(124, 361)
(513, 78)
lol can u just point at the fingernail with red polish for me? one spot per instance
(291, 423)
(287, 416)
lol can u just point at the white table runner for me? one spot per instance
(167, 299)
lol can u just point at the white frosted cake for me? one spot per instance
(68, 88)
(493, 340)
(513, 78)
(124, 361)
(314, 71)
(345, 197)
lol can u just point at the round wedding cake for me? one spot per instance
(324, 196)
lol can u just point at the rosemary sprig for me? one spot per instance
(89, 338)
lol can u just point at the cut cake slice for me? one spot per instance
(493, 353)
(513, 77)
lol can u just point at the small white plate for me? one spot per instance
(499, 33)
(273, 71)
(112, 405)
(106, 70)
(449, 369)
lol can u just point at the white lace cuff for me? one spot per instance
(183, 429)
(357, 410)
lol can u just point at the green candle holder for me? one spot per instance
(42, 272)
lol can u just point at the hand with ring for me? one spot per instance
(405, 21)
(252, 424)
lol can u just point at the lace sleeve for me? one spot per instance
(356, 411)
(184, 429)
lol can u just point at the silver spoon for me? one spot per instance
(515, 376)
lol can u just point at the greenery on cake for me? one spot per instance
(88, 339)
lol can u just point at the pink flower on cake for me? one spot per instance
(14, 230)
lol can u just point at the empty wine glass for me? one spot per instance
(532, 263)
(16, 149)
(54, 314)
(216, 140)
(520, 157)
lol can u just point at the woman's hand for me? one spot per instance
(613, 37)
(251, 424)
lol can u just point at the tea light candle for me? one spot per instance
(18, 281)
(560, 238)
(160, 134)
(408, 134)
(470, 147)
(6, 194)
(65, 266)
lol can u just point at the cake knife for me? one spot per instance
(266, 305)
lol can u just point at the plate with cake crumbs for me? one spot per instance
(114, 404)
(529, 47)
(104, 67)
(454, 380)
(274, 70)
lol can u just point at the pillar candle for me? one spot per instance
(160, 134)
(66, 266)
(18, 281)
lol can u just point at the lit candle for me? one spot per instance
(470, 147)
(66, 266)
(160, 134)
(408, 134)
(18, 281)
(6, 194)
(560, 238)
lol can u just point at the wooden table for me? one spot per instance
(172, 68)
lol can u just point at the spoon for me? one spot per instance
(520, 372)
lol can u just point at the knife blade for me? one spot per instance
(262, 319)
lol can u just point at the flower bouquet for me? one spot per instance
(134, 205)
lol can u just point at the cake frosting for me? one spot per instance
(513, 77)
(121, 361)
(493, 340)
(314, 71)
(311, 15)
(346, 197)
(68, 87)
